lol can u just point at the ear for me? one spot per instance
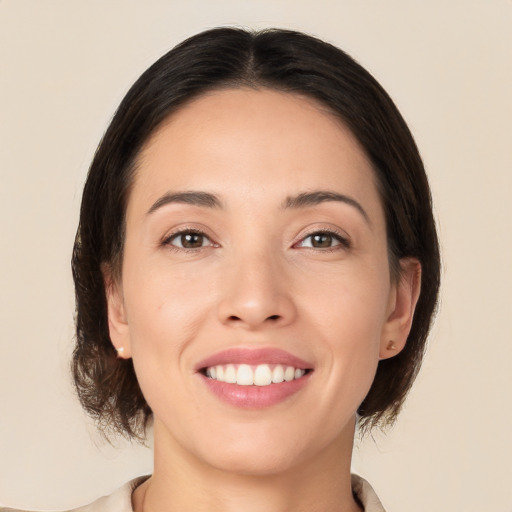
(402, 304)
(117, 323)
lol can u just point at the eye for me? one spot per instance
(324, 240)
(188, 239)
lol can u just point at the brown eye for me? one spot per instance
(321, 240)
(324, 240)
(189, 240)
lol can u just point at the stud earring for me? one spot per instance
(120, 351)
(391, 345)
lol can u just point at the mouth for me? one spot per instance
(254, 378)
(254, 375)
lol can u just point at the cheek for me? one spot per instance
(349, 306)
(164, 302)
(165, 314)
(349, 316)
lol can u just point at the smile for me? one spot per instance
(259, 375)
(254, 378)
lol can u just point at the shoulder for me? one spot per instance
(365, 494)
(119, 501)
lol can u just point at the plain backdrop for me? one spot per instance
(64, 67)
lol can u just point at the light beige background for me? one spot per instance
(65, 65)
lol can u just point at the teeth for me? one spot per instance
(260, 375)
(230, 374)
(244, 375)
(278, 374)
(289, 373)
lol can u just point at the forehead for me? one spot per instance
(258, 140)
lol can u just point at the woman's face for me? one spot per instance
(255, 243)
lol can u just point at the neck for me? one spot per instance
(181, 482)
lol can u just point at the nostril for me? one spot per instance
(253, 318)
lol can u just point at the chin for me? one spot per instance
(259, 462)
(272, 451)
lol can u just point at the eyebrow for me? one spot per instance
(306, 199)
(204, 199)
(302, 200)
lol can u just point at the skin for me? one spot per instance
(257, 279)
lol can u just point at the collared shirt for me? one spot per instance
(121, 500)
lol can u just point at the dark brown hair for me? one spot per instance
(229, 58)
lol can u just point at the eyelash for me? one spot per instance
(183, 232)
(343, 241)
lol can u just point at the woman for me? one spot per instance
(256, 265)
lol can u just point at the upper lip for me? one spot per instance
(253, 356)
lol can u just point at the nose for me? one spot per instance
(256, 294)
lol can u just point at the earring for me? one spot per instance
(391, 345)
(120, 351)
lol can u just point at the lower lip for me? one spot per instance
(255, 397)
